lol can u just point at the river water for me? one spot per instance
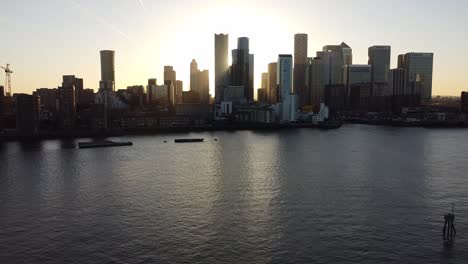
(360, 194)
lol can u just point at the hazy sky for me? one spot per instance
(45, 39)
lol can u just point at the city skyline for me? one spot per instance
(134, 66)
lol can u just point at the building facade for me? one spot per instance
(221, 65)
(300, 65)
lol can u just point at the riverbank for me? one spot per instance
(45, 135)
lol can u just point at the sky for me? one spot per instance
(45, 39)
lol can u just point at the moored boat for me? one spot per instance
(189, 140)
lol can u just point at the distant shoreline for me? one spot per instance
(50, 135)
(47, 135)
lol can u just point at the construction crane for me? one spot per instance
(8, 73)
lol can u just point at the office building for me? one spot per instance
(464, 102)
(288, 103)
(178, 89)
(315, 83)
(27, 114)
(335, 97)
(203, 86)
(242, 69)
(419, 67)
(250, 91)
(221, 65)
(358, 86)
(150, 90)
(265, 80)
(262, 96)
(300, 65)
(190, 97)
(67, 102)
(272, 89)
(379, 59)
(335, 58)
(49, 98)
(169, 74)
(107, 70)
(2, 103)
(193, 74)
(234, 94)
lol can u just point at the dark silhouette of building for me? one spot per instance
(242, 68)
(107, 70)
(272, 83)
(49, 98)
(221, 65)
(262, 95)
(150, 90)
(27, 114)
(315, 84)
(359, 97)
(200, 82)
(300, 65)
(67, 102)
(2, 102)
(464, 102)
(190, 97)
(335, 97)
(419, 67)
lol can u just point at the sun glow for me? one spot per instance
(193, 38)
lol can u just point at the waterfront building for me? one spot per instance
(67, 102)
(300, 65)
(262, 95)
(242, 69)
(419, 67)
(272, 83)
(379, 59)
(315, 83)
(335, 58)
(221, 65)
(287, 99)
(464, 102)
(107, 70)
(27, 114)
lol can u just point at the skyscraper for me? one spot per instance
(152, 83)
(169, 74)
(178, 89)
(193, 74)
(419, 68)
(264, 80)
(300, 65)
(242, 68)
(358, 86)
(67, 102)
(204, 86)
(379, 59)
(170, 80)
(250, 91)
(2, 102)
(27, 114)
(272, 89)
(287, 99)
(107, 70)
(337, 56)
(315, 84)
(221, 65)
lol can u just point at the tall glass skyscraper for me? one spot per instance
(419, 67)
(107, 70)
(379, 59)
(300, 65)
(221, 65)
